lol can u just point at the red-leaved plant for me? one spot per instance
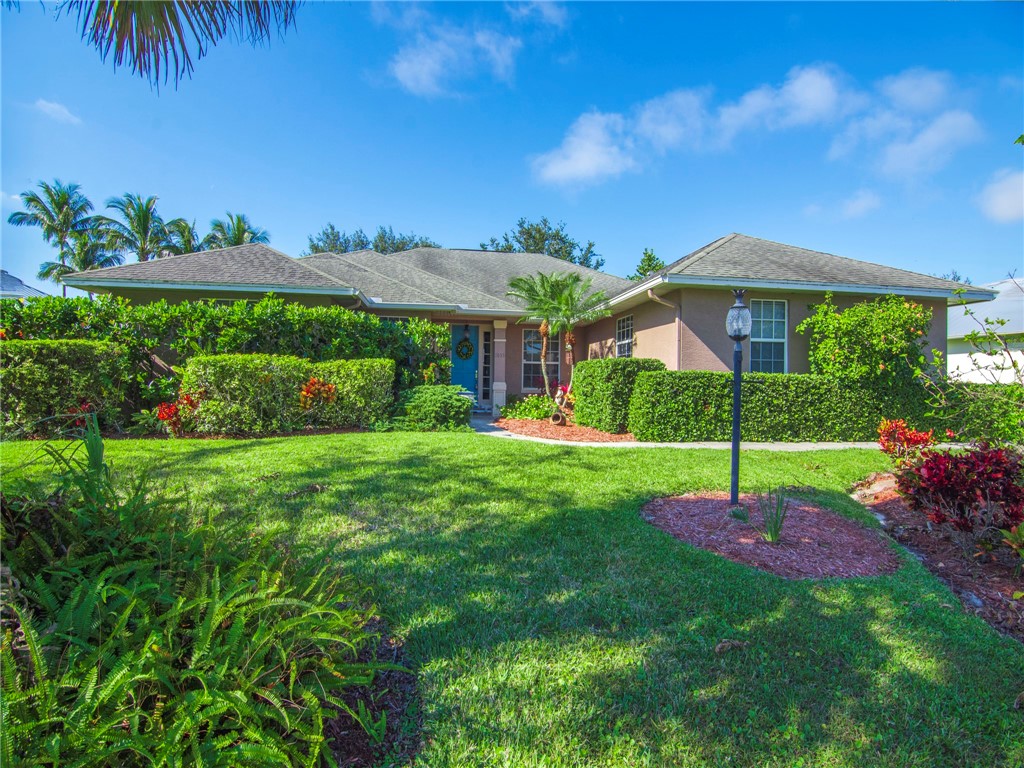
(976, 493)
(316, 391)
(179, 416)
(901, 443)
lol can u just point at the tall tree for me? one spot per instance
(183, 237)
(161, 37)
(649, 264)
(236, 229)
(330, 240)
(576, 303)
(542, 237)
(386, 241)
(140, 231)
(90, 250)
(60, 211)
(540, 295)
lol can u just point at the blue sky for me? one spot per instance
(877, 131)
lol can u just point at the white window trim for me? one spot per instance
(522, 363)
(632, 334)
(785, 337)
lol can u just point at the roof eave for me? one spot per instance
(951, 296)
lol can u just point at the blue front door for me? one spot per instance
(465, 356)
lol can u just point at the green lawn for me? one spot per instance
(550, 626)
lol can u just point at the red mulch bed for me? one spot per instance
(985, 585)
(570, 432)
(816, 543)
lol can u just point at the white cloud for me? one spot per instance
(545, 11)
(678, 117)
(10, 201)
(439, 56)
(596, 147)
(932, 147)
(868, 130)
(917, 90)
(57, 111)
(860, 204)
(1002, 200)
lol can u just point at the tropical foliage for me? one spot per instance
(234, 230)
(330, 240)
(140, 231)
(576, 303)
(649, 264)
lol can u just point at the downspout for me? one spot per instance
(678, 307)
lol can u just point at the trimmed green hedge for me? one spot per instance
(603, 389)
(364, 391)
(42, 382)
(175, 333)
(434, 408)
(675, 406)
(259, 394)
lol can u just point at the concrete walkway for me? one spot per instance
(484, 426)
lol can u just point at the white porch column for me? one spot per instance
(498, 386)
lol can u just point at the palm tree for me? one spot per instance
(89, 251)
(141, 230)
(161, 36)
(61, 211)
(235, 230)
(183, 237)
(539, 293)
(576, 304)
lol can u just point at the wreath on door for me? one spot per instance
(464, 349)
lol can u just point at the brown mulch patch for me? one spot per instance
(571, 432)
(393, 693)
(816, 543)
(985, 585)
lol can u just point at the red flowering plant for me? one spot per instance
(178, 417)
(901, 443)
(80, 412)
(976, 494)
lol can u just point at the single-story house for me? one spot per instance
(12, 287)
(989, 363)
(676, 315)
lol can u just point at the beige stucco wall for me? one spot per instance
(704, 345)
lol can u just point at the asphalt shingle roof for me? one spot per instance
(1008, 306)
(252, 264)
(12, 287)
(742, 257)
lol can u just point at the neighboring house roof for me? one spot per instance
(741, 261)
(241, 268)
(12, 287)
(1008, 305)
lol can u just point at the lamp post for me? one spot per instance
(737, 326)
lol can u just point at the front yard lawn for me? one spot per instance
(549, 625)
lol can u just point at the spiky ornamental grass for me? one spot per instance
(549, 624)
(136, 634)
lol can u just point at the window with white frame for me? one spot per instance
(768, 335)
(397, 319)
(624, 336)
(533, 378)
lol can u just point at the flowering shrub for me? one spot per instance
(179, 417)
(901, 443)
(316, 391)
(975, 492)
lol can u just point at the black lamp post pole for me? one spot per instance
(737, 367)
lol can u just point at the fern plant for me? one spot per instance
(135, 633)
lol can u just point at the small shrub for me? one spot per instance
(135, 634)
(529, 407)
(901, 443)
(974, 493)
(603, 389)
(46, 385)
(247, 394)
(433, 408)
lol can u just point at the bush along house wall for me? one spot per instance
(47, 386)
(603, 389)
(261, 394)
(697, 405)
(175, 333)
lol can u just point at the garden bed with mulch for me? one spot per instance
(569, 432)
(985, 585)
(816, 543)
